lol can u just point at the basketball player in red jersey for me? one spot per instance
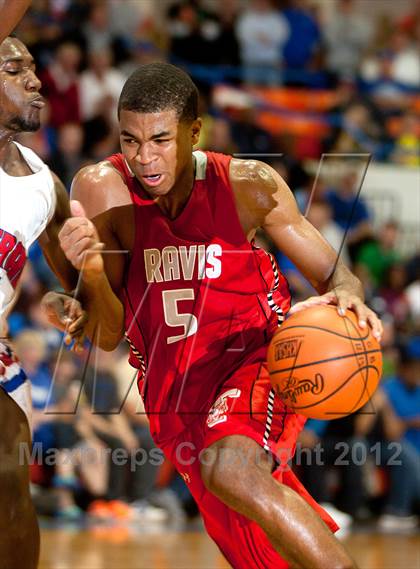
(201, 303)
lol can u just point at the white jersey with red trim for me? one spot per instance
(27, 204)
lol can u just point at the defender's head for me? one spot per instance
(20, 101)
(159, 126)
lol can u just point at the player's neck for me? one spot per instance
(173, 203)
(6, 146)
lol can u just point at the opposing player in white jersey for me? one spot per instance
(33, 204)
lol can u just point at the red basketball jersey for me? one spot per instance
(200, 300)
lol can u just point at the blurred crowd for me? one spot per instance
(100, 460)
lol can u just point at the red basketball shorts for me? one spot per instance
(245, 405)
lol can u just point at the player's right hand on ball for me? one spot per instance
(80, 242)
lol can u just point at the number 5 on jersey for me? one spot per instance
(174, 318)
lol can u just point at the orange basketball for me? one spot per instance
(322, 365)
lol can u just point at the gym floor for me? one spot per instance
(121, 547)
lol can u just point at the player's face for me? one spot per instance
(20, 101)
(157, 148)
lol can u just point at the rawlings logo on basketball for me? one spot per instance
(218, 413)
(287, 349)
(294, 387)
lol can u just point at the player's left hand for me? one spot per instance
(66, 313)
(345, 300)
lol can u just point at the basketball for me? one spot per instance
(323, 365)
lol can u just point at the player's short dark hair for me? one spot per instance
(157, 87)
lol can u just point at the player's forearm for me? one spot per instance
(106, 313)
(11, 12)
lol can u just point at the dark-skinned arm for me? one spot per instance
(49, 241)
(92, 287)
(11, 12)
(82, 238)
(61, 309)
(263, 200)
(268, 198)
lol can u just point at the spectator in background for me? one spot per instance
(405, 60)
(384, 431)
(248, 137)
(31, 350)
(41, 30)
(142, 484)
(304, 39)
(357, 132)
(346, 36)
(348, 95)
(60, 85)
(394, 71)
(101, 139)
(228, 53)
(97, 30)
(410, 22)
(413, 289)
(65, 434)
(111, 427)
(320, 215)
(127, 19)
(68, 158)
(80, 454)
(337, 439)
(378, 82)
(403, 392)
(389, 352)
(349, 210)
(378, 255)
(219, 137)
(392, 292)
(182, 21)
(262, 32)
(100, 87)
(196, 35)
(407, 146)
(413, 266)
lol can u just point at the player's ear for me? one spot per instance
(195, 131)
